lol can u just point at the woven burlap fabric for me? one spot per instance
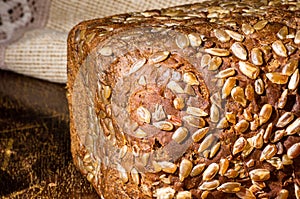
(41, 52)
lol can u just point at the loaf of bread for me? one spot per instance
(195, 101)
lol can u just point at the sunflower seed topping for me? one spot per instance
(217, 52)
(294, 80)
(228, 86)
(237, 94)
(175, 87)
(239, 145)
(137, 65)
(165, 193)
(135, 176)
(178, 103)
(294, 151)
(214, 113)
(206, 143)
(182, 41)
(259, 86)
(249, 69)
(282, 33)
(180, 134)
(167, 167)
(221, 35)
(285, 119)
(256, 57)
(215, 63)
(205, 60)
(279, 48)
(184, 195)
(226, 73)
(268, 152)
(241, 126)
(297, 37)
(277, 78)
(195, 39)
(143, 114)
(190, 79)
(196, 111)
(239, 51)
(265, 113)
(230, 187)
(210, 185)
(199, 134)
(210, 171)
(197, 169)
(259, 175)
(247, 29)
(163, 125)
(194, 121)
(293, 128)
(234, 35)
(283, 99)
(159, 57)
(185, 169)
(260, 25)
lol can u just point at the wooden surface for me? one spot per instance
(35, 158)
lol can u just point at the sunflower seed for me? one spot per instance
(106, 91)
(257, 140)
(228, 86)
(196, 111)
(279, 48)
(283, 99)
(139, 133)
(285, 119)
(221, 35)
(204, 194)
(195, 39)
(259, 86)
(143, 114)
(185, 169)
(290, 48)
(239, 145)
(137, 65)
(190, 79)
(294, 80)
(286, 160)
(210, 172)
(256, 56)
(199, 134)
(194, 121)
(294, 151)
(231, 173)
(226, 73)
(283, 194)
(247, 29)
(255, 123)
(174, 86)
(90, 177)
(269, 151)
(214, 149)
(167, 167)
(157, 168)
(207, 142)
(215, 63)
(249, 69)
(223, 123)
(214, 113)
(197, 169)
(245, 194)
(277, 78)
(122, 173)
(230, 187)
(239, 50)
(189, 90)
(205, 60)
(163, 125)
(290, 67)
(159, 57)
(178, 103)
(297, 37)
(182, 41)
(135, 176)
(265, 113)
(217, 52)
(282, 33)
(184, 195)
(294, 127)
(210, 185)
(237, 94)
(224, 164)
(165, 193)
(142, 81)
(268, 133)
(180, 134)
(231, 117)
(260, 25)
(145, 158)
(259, 175)
(247, 115)
(234, 35)
(275, 162)
(216, 99)
(106, 51)
(159, 113)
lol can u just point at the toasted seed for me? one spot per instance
(216, 99)
(257, 140)
(245, 194)
(175, 87)
(143, 114)
(255, 123)
(106, 51)
(196, 111)
(247, 29)
(297, 37)
(207, 142)
(221, 35)
(277, 78)
(294, 151)
(231, 173)
(165, 193)
(194, 121)
(283, 99)
(204, 194)
(122, 173)
(285, 119)
(249, 69)
(226, 73)
(90, 177)
(205, 60)
(190, 78)
(157, 168)
(197, 169)
(214, 113)
(189, 90)
(223, 123)
(209, 185)
(145, 158)
(268, 133)
(230, 187)
(184, 195)
(185, 169)
(259, 175)
(239, 50)
(217, 52)
(294, 80)
(239, 145)
(256, 56)
(237, 94)
(139, 133)
(286, 160)
(247, 115)
(135, 176)
(142, 80)
(247, 150)
(294, 127)
(279, 48)
(178, 103)
(265, 113)
(206, 153)
(260, 25)
(107, 91)
(250, 163)
(195, 39)
(180, 134)
(283, 194)
(159, 113)
(182, 41)
(283, 32)
(214, 149)
(290, 48)
(228, 86)
(167, 167)
(234, 35)
(269, 151)
(259, 86)
(163, 125)
(159, 57)
(199, 134)
(215, 63)
(137, 65)
(275, 162)
(224, 164)
(290, 67)
(210, 172)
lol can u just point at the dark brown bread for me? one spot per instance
(196, 101)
